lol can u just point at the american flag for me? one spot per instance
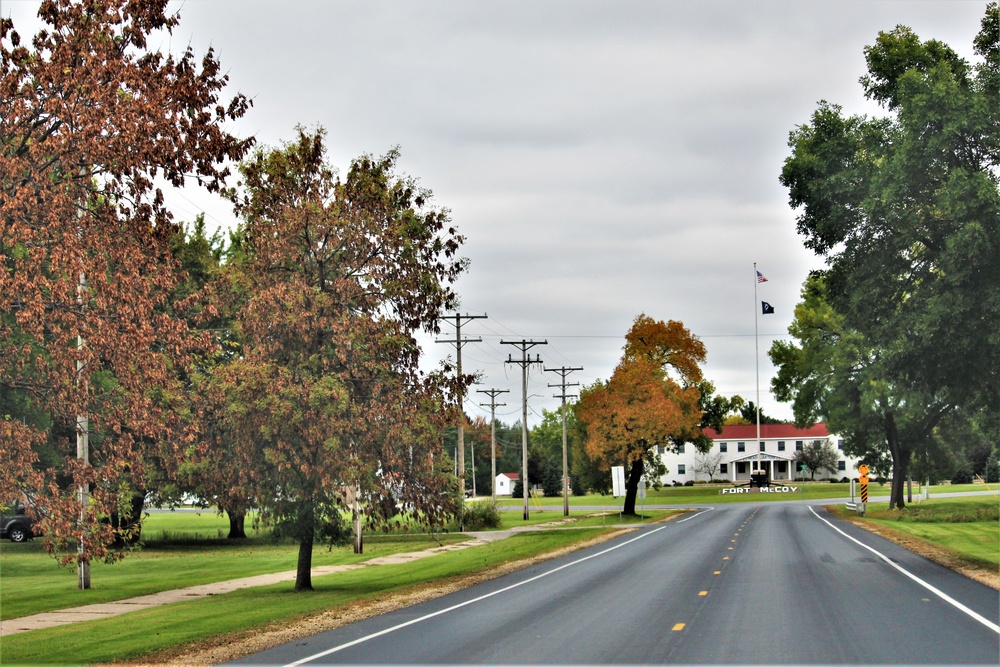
(761, 278)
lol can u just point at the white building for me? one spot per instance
(504, 483)
(736, 452)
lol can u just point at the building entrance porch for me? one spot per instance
(776, 468)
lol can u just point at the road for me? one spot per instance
(737, 584)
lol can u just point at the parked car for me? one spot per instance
(15, 525)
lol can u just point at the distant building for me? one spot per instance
(504, 483)
(736, 452)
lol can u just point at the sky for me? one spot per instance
(603, 159)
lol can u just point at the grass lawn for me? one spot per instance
(710, 494)
(699, 494)
(144, 632)
(32, 582)
(967, 528)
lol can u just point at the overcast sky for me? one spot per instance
(603, 159)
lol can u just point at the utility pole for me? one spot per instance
(82, 448)
(524, 362)
(563, 372)
(493, 393)
(459, 342)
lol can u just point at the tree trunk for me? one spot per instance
(632, 487)
(898, 463)
(303, 569)
(130, 522)
(237, 525)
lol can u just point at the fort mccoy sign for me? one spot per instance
(766, 489)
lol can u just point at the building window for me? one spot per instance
(762, 446)
(741, 446)
(659, 449)
(680, 449)
(781, 445)
(840, 444)
(723, 447)
(680, 468)
(723, 468)
(841, 465)
(798, 445)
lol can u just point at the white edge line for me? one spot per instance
(361, 640)
(941, 594)
(707, 509)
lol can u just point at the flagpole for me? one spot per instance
(756, 356)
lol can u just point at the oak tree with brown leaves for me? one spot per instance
(91, 119)
(652, 400)
(327, 402)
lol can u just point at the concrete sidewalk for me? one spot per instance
(101, 610)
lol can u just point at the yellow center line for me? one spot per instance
(678, 627)
(703, 593)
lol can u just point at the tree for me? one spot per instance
(834, 373)
(905, 209)
(327, 401)
(90, 116)
(209, 472)
(707, 463)
(651, 400)
(748, 412)
(818, 455)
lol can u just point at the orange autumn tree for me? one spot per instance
(326, 402)
(90, 120)
(652, 400)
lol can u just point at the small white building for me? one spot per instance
(504, 483)
(737, 452)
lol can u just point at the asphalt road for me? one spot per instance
(737, 584)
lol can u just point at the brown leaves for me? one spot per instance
(89, 120)
(642, 406)
(337, 277)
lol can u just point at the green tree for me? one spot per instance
(905, 209)
(748, 412)
(833, 373)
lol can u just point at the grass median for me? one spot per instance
(143, 633)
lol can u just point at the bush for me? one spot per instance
(481, 515)
(690, 482)
(962, 475)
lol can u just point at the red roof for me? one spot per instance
(769, 431)
(512, 476)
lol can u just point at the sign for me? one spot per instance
(766, 489)
(618, 481)
(642, 488)
(863, 469)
